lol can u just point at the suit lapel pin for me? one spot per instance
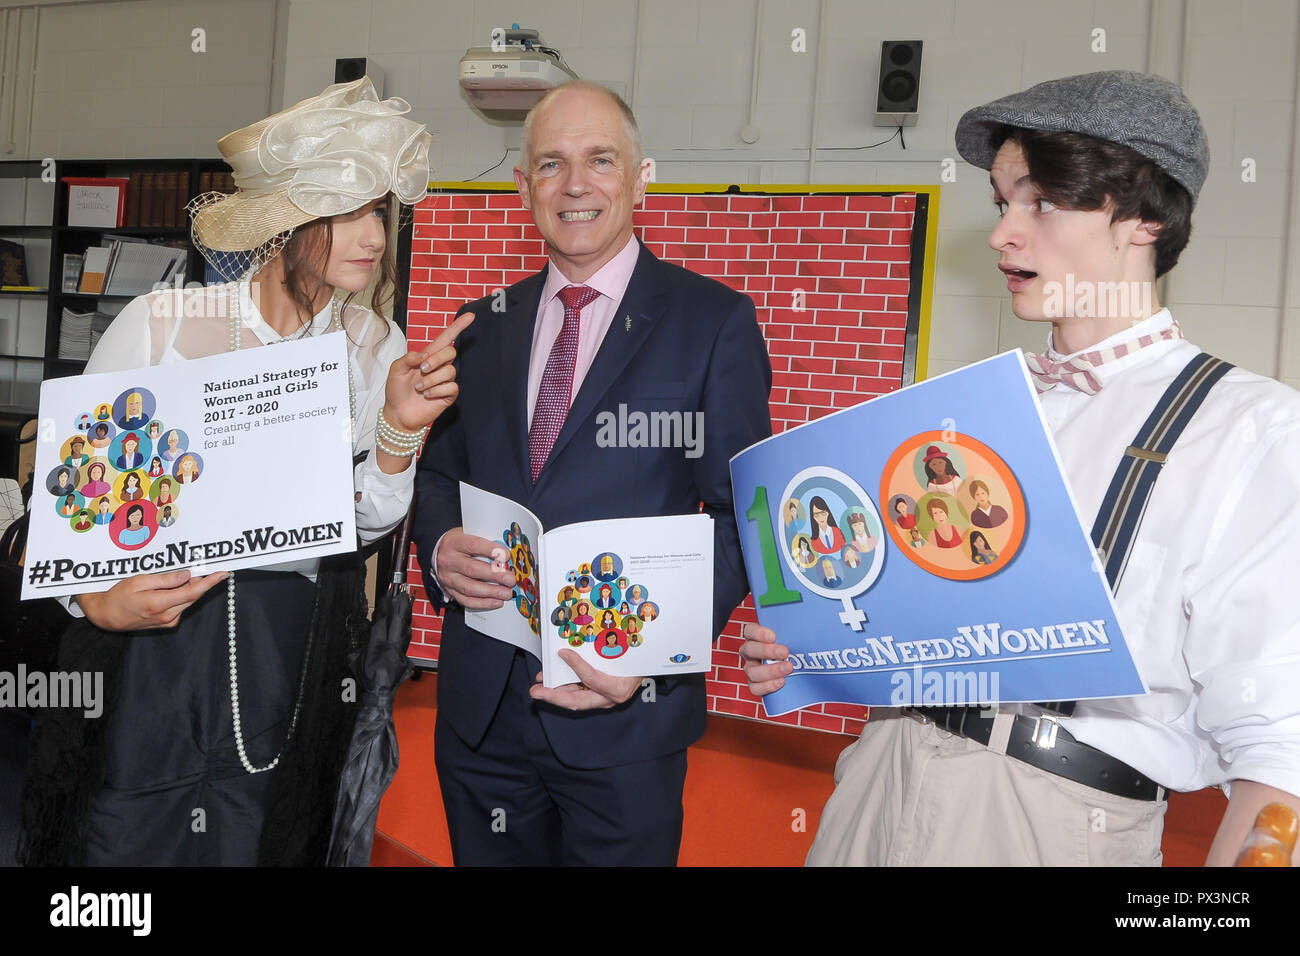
(627, 323)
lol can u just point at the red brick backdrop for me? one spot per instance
(829, 276)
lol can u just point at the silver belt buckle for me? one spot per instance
(1044, 737)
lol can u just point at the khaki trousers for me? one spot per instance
(909, 794)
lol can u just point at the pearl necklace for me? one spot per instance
(236, 333)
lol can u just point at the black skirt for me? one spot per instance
(157, 780)
(175, 791)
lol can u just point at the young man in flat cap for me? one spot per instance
(1094, 179)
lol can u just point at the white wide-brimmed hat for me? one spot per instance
(324, 156)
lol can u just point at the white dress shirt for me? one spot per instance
(1205, 602)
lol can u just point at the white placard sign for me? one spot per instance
(95, 205)
(237, 460)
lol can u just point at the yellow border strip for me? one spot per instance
(931, 227)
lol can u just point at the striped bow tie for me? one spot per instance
(1079, 371)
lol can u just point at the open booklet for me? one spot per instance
(633, 596)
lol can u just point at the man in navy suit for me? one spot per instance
(588, 773)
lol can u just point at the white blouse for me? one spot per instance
(175, 325)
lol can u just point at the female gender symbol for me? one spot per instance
(833, 537)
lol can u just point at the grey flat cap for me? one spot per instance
(1146, 113)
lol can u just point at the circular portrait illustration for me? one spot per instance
(164, 490)
(82, 422)
(188, 468)
(103, 412)
(831, 532)
(939, 467)
(648, 612)
(134, 408)
(612, 643)
(582, 613)
(75, 452)
(793, 514)
(568, 596)
(173, 444)
(61, 480)
(70, 504)
(82, 522)
(101, 436)
(153, 431)
(562, 616)
(95, 479)
(607, 595)
(133, 525)
(103, 510)
(955, 508)
(167, 515)
(130, 450)
(521, 560)
(523, 606)
(636, 595)
(131, 486)
(608, 566)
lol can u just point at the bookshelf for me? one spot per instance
(166, 186)
(26, 234)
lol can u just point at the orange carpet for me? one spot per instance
(754, 794)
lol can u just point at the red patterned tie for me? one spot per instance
(557, 381)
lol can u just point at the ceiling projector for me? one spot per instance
(514, 72)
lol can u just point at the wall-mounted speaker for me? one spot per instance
(900, 83)
(349, 68)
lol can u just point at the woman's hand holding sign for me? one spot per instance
(147, 601)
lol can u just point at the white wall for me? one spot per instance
(126, 80)
(118, 79)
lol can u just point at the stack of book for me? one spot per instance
(126, 265)
(158, 199)
(79, 333)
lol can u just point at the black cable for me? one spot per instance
(900, 136)
(898, 132)
(490, 168)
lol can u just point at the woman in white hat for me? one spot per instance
(209, 691)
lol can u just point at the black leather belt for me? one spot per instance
(1043, 743)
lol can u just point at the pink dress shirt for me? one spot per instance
(611, 282)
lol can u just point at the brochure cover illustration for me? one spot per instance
(175, 466)
(923, 549)
(633, 596)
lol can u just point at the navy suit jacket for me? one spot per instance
(678, 342)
